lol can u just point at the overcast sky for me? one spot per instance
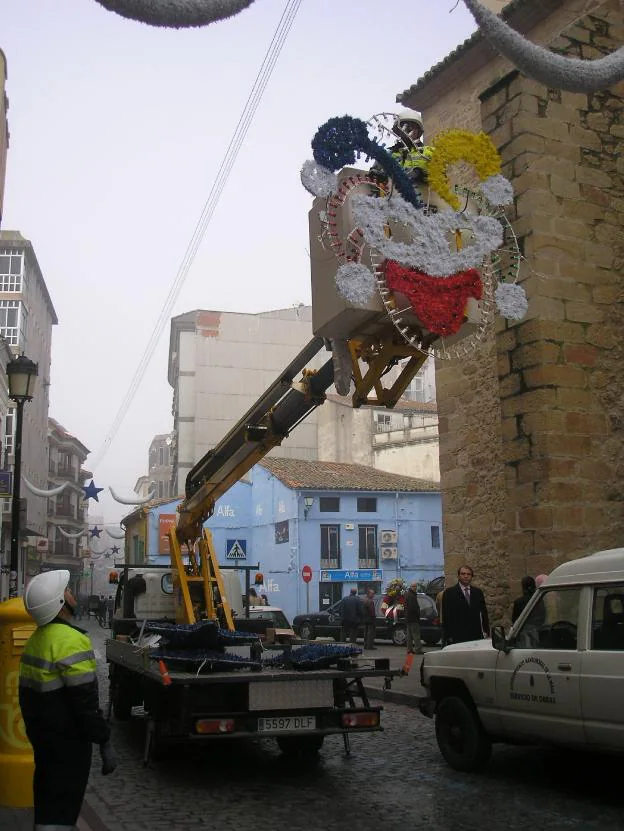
(117, 134)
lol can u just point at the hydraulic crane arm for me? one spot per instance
(264, 426)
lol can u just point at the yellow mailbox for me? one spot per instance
(16, 756)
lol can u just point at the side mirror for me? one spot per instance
(499, 641)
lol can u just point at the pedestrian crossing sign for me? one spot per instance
(236, 550)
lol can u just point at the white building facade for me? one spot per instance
(219, 364)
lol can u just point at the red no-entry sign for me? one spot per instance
(306, 574)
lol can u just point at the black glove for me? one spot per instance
(109, 760)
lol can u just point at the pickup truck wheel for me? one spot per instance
(399, 635)
(307, 632)
(300, 745)
(462, 740)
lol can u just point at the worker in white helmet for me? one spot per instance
(409, 151)
(58, 696)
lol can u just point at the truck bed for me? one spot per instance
(137, 659)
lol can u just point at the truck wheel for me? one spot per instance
(462, 740)
(122, 700)
(300, 745)
(399, 636)
(307, 632)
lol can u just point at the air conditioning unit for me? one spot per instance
(388, 537)
(389, 552)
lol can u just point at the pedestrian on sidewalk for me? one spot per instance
(351, 616)
(464, 613)
(370, 620)
(519, 604)
(58, 696)
(412, 620)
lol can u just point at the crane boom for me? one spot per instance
(264, 426)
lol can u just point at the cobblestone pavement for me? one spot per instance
(395, 774)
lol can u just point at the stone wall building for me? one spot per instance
(531, 426)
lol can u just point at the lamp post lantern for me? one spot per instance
(21, 374)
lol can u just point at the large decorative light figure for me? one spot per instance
(21, 373)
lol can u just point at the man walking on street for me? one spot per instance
(352, 615)
(370, 620)
(58, 696)
(412, 620)
(464, 611)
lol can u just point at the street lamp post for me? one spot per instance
(21, 374)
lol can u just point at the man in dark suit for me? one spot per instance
(463, 610)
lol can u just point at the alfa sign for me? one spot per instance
(356, 575)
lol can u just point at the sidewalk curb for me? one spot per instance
(393, 696)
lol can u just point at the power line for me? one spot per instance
(236, 142)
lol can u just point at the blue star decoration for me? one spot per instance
(115, 549)
(91, 492)
(95, 532)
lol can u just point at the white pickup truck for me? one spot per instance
(557, 678)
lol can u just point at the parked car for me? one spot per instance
(435, 586)
(326, 624)
(262, 618)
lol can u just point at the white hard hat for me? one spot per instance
(45, 595)
(409, 117)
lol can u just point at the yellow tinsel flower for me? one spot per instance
(454, 146)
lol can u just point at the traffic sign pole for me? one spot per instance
(306, 576)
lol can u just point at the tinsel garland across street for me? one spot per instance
(552, 70)
(438, 303)
(176, 14)
(429, 249)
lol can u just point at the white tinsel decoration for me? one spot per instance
(498, 190)
(355, 283)
(552, 70)
(176, 14)
(429, 250)
(511, 301)
(318, 180)
(44, 491)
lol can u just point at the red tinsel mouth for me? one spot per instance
(438, 302)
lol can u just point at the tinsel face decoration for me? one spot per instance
(429, 249)
(552, 70)
(440, 263)
(176, 14)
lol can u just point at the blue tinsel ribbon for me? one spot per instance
(342, 139)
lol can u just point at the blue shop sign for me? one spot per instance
(356, 575)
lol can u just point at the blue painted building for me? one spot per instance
(354, 526)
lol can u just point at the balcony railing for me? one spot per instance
(368, 562)
(68, 471)
(331, 563)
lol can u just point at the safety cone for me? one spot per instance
(164, 673)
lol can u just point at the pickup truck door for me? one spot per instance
(602, 677)
(538, 679)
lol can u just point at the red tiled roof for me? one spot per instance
(303, 474)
